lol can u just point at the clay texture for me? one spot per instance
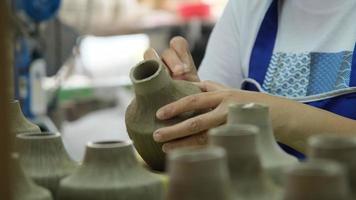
(248, 178)
(110, 171)
(273, 158)
(198, 173)
(154, 88)
(44, 159)
(336, 148)
(19, 123)
(24, 188)
(317, 179)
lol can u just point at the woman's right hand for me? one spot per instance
(177, 59)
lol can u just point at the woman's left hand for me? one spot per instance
(193, 131)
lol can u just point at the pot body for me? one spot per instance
(153, 89)
(248, 178)
(19, 123)
(198, 173)
(316, 179)
(273, 158)
(110, 171)
(44, 159)
(336, 148)
(24, 188)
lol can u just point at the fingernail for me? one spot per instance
(161, 114)
(186, 68)
(157, 136)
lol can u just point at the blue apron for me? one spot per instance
(341, 102)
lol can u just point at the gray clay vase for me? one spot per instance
(273, 158)
(44, 159)
(154, 88)
(24, 188)
(19, 123)
(336, 148)
(198, 173)
(110, 171)
(316, 180)
(248, 178)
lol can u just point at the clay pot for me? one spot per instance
(19, 123)
(198, 173)
(339, 149)
(273, 158)
(110, 171)
(316, 179)
(154, 88)
(24, 188)
(248, 178)
(44, 159)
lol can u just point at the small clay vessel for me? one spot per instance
(316, 180)
(44, 159)
(154, 88)
(248, 178)
(337, 148)
(198, 173)
(24, 188)
(110, 171)
(19, 123)
(273, 158)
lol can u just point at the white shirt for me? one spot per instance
(312, 53)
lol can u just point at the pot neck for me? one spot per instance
(150, 77)
(44, 144)
(118, 154)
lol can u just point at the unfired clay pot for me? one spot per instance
(337, 148)
(19, 123)
(154, 88)
(249, 180)
(24, 188)
(44, 159)
(273, 158)
(110, 171)
(198, 173)
(316, 180)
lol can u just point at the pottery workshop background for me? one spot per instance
(84, 85)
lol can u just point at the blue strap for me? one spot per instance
(263, 48)
(353, 70)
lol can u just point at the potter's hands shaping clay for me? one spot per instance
(178, 60)
(193, 131)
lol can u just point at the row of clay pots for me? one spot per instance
(230, 169)
(110, 170)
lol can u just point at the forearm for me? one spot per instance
(295, 122)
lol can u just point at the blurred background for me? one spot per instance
(73, 57)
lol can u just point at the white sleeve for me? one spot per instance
(222, 61)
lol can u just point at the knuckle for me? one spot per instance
(192, 100)
(194, 125)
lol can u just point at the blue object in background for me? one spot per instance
(38, 10)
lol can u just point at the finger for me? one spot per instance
(190, 126)
(209, 86)
(194, 140)
(151, 54)
(190, 103)
(174, 63)
(181, 47)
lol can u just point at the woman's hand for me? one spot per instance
(193, 131)
(177, 59)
